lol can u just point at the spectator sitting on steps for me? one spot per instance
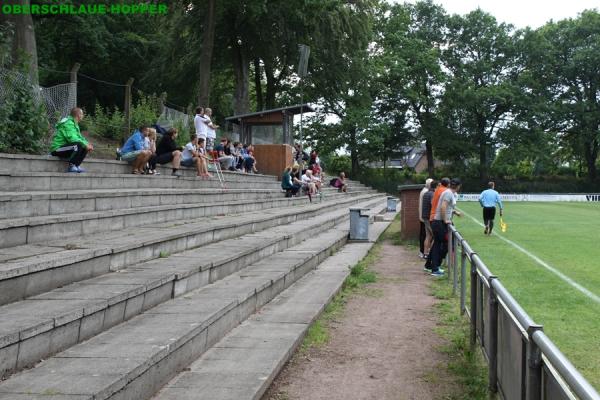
(168, 151)
(340, 182)
(308, 184)
(287, 183)
(190, 157)
(133, 150)
(68, 143)
(225, 160)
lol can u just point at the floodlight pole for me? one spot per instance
(302, 71)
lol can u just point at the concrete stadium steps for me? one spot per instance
(42, 325)
(33, 163)
(242, 365)
(43, 203)
(46, 181)
(28, 270)
(27, 230)
(135, 358)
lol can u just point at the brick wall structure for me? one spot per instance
(409, 210)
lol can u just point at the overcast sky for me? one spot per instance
(520, 13)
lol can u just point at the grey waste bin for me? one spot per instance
(392, 204)
(359, 224)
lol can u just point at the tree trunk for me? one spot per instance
(258, 85)
(591, 155)
(208, 43)
(354, 154)
(429, 155)
(271, 87)
(24, 48)
(241, 69)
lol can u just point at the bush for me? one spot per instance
(146, 110)
(388, 179)
(105, 123)
(336, 164)
(22, 117)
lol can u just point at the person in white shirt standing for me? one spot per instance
(211, 134)
(200, 123)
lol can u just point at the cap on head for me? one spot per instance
(445, 182)
(428, 182)
(455, 182)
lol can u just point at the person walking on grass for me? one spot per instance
(488, 200)
(68, 143)
(446, 208)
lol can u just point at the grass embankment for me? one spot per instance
(565, 236)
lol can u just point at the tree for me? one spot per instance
(24, 48)
(481, 58)
(411, 40)
(341, 72)
(208, 41)
(564, 59)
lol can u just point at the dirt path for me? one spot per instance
(383, 347)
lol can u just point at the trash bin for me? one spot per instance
(392, 204)
(359, 224)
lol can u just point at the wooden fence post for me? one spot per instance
(127, 107)
(73, 79)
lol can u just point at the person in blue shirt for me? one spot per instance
(488, 200)
(133, 150)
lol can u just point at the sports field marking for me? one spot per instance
(544, 264)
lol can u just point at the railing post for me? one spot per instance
(454, 265)
(493, 344)
(463, 279)
(473, 303)
(533, 386)
(449, 254)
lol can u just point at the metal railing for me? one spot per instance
(523, 362)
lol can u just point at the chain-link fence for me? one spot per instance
(171, 118)
(59, 100)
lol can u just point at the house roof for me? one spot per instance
(297, 109)
(412, 155)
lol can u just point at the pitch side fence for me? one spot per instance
(579, 197)
(523, 362)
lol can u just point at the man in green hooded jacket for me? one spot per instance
(68, 143)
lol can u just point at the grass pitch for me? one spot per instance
(567, 237)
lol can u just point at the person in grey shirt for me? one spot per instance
(443, 217)
(425, 212)
(423, 232)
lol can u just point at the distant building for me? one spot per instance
(412, 157)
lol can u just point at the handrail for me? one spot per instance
(568, 372)
(570, 375)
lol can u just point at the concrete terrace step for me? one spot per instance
(42, 325)
(244, 363)
(36, 163)
(27, 230)
(11, 180)
(29, 270)
(42, 203)
(134, 359)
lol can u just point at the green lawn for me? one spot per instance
(567, 237)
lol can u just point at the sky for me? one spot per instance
(520, 13)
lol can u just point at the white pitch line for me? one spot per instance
(544, 264)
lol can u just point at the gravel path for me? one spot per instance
(383, 347)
